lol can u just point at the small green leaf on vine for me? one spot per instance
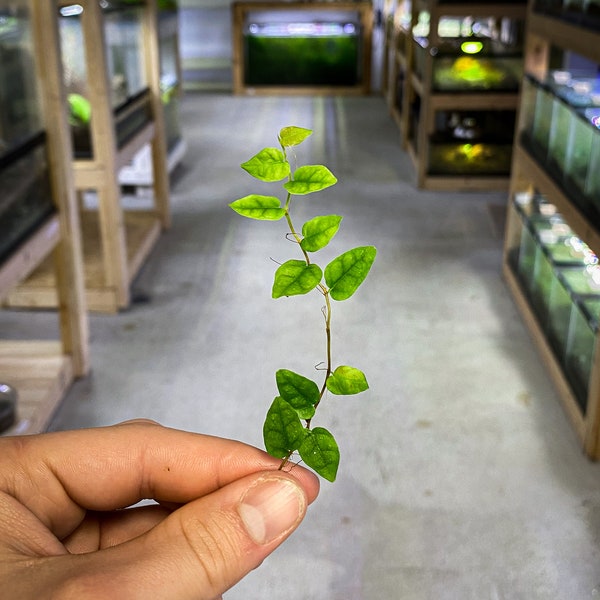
(261, 208)
(292, 136)
(345, 273)
(283, 432)
(299, 392)
(318, 232)
(320, 451)
(309, 179)
(295, 277)
(269, 164)
(345, 381)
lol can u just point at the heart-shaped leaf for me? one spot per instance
(262, 208)
(320, 451)
(319, 231)
(292, 136)
(299, 392)
(309, 179)
(283, 431)
(345, 381)
(345, 273)
(295, 277)
(268, 165)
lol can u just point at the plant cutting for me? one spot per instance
(288, 426)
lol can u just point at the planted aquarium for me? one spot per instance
(473, 54)
(295, 49)
(472, 143)
(26, 198)
(126, 68)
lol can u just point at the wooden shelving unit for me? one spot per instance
(42, 371)
(544, 33)
(240, 12)
(116, 241)
(414, 102)
(397, 57)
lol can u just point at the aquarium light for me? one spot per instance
(71, 11)
(471, 47)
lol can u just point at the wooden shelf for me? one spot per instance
(240, 10)
(142, 230)
(421, 88)
(114, 248)
(529, 175)
(42, 371)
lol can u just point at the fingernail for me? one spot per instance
(271, 508)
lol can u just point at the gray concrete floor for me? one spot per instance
(460, 476)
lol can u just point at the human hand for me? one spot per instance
(223, 508)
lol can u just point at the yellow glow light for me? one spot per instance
(471, 47)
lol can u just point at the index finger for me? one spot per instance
(58, 476)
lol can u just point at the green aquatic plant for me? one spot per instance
(288, 426)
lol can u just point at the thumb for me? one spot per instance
(208, 545)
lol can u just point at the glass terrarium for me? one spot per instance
(472, 143)
(25, 200)
(579, 151)
(126, 71)
(300, 49)
(581, 343)
(553, 251)
(570, 283)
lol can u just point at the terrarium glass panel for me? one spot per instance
(559, 312)
(20, 116)
(126, 72)
(592, 184)
(169, 74)
(26, 198)
(541, 123)
(302, 53)
(579, 150)
(581, 343)
(561, 122)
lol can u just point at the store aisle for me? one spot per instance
(460, 475)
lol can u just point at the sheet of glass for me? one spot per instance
(20, 116)
(560, 125)
(579, 150)
(26, 198)
(592, 185)
(560, 304)
(581, 342)
(541, 122)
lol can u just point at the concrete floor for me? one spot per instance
(460, 477)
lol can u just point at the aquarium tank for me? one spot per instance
(471, 54)
(294, 49)
(125, 65)
(26, 198)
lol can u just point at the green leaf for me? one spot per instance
(345, 273)
(345, 381)
(299, 392)
(255, 206)
(283, 431)
(320, 451)
(268, 165)
(295, 277)
(309, 179)
(319, 231)
(292, 136)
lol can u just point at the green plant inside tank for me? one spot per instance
(288, 426)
